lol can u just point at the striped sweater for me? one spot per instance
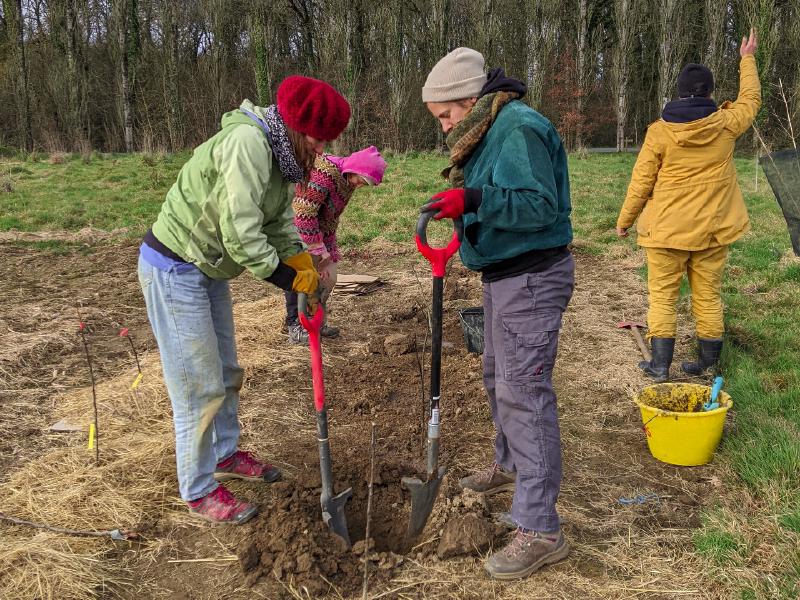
(319, 204)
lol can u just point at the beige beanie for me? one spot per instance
(457, 76)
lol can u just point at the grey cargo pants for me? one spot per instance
(522, 319)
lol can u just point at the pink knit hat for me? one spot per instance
(367, 163)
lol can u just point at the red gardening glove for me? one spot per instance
(449, 203)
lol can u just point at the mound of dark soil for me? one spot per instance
(291, 542)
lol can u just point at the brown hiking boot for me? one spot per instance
(492, 480)
(528, 552)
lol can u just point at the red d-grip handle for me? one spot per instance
(438, 257)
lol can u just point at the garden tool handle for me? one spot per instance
(438, 257)
(313, 324)
(713, 401)
(716, 388)
(635, 329)
(637, 335)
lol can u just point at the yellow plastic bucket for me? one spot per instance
(679, 431)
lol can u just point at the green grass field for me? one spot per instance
(761, 453)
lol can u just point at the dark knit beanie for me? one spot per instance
(312, 107)
(695, 80)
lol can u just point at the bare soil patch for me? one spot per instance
(619, 549)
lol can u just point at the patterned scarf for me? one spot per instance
(466, 136)
(282, 146)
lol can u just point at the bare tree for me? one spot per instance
(672, 43)
(625, 21)
(259, 25)
(543, 29)
(486, 28)
(68, 19)
(306, 11)
(15, 25)
(190, 61)
(128, 39)
(761, 14)
(716, 14)
(583, 62)
(398, 64)
(172, 75)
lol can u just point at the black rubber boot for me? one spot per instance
(708, 352)
(658, 368)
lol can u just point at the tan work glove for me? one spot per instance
(306, 281)
(296, 274)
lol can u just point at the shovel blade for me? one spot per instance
(423, 497)
(334, 516)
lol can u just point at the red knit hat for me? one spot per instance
(312, 107)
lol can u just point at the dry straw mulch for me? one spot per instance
(618, 551)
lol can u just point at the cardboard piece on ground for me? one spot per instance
(357, 284)
(64, 426)
(355, 278)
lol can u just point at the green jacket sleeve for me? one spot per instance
(245, 163)
(643, 180)
(283, 235)
(523, 197)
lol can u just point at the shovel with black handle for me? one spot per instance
(332, 505)
(424, 493)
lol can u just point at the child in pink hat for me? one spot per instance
(318, 205)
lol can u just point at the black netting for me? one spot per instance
(783, 173)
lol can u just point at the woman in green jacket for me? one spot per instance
(229, 210)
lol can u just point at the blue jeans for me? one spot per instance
(192, 319)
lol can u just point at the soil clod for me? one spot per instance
(398, 344)
(467, 534)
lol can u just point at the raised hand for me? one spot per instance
(749, 45)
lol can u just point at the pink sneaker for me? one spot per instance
(220, 506)
(242, 465)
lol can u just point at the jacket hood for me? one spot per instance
(237, 117)
(688, 109)
(695, 133)
(368, 163)
(496, 81)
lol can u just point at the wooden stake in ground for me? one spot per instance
(96, 440)
(369, 511)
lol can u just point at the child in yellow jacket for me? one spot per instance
(686, 196)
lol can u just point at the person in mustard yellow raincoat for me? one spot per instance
(685, 194)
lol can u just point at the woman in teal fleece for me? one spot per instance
(229, 211)
(509, 183)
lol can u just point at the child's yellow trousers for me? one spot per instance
(665, 269)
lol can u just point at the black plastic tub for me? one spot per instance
(472, 324)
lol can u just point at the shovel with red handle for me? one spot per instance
(332, 505)
(423, 493)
